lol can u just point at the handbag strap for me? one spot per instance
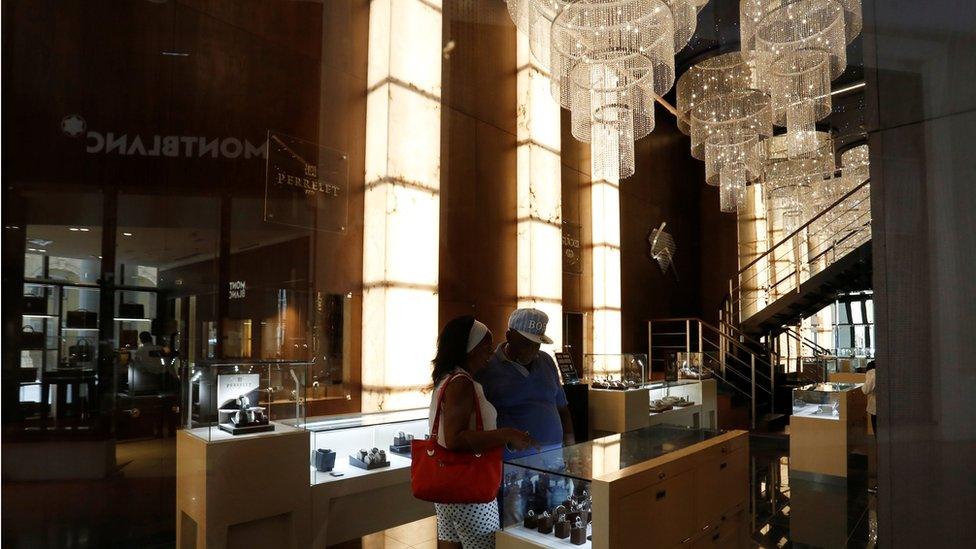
(24, 329)
(87, 342)
(440, 400)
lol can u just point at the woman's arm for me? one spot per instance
(456, 410)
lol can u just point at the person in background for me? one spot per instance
(147, 357)
(463, 349)
(869, 389)
(523, 384)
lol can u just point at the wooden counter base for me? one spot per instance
(694, 497)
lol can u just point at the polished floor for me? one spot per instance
(135, 507)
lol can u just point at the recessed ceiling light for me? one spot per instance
(126, 234)
(84, 229)
(73, 229)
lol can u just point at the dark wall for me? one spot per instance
(669, 186)
(478, 165)
(922, 124)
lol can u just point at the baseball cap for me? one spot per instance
(531, 323)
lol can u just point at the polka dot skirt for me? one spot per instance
(472, 525)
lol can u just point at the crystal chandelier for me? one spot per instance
(801, 46)
(796, 187)
(608, 61)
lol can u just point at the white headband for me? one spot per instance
(477, 333)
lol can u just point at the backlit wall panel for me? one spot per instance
(539, 196)
(402, 202)
(605, 199)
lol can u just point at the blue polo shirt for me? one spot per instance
(526, 398)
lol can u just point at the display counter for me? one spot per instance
(827, 422)
(253, 471)
(340, 493)
(685, 402)
(660, 486)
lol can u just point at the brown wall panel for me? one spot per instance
(478, 165)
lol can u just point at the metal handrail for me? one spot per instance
(790, 272)
(735, 358)
(803, 340)
(724, 345)
(805, 225)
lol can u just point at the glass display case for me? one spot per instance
(227, 399)
(821, 400)
(670, 395)
(358, 444)
(618, 372)
(547, 497)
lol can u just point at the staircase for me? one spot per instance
(795, 278)
(805, 271)
(743, 367)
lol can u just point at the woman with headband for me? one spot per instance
(463, 348)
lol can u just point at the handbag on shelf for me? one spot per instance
(31, 340)
(35, 305)
(81, 351)
(81, 318)
(131, 310)
(440, 475)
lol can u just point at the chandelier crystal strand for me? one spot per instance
(608, 60)
(795, 185)
(802, 25)
(534, 19)
(800, 78)
(714, 76)
(741, 148)
(751, 13)
(685, 14)
(729, 112)
(732, 187)
(801, 129)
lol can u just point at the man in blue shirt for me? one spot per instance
(523, 384)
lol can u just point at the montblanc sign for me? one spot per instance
(156, 145)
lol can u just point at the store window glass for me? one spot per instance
(144, 235)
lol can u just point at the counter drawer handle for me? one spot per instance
(661, 494)
(723, 465)
(661, 475)
(716, 536)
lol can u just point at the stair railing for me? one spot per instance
(826, 237)
(738, 364)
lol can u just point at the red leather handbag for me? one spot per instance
(440, 475)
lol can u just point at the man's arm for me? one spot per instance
(569, 437)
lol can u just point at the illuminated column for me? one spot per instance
(402, 202)
(540, 271)
(606, 265)
(753, 231)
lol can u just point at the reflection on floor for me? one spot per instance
(421, 534)
(796, 513)
(135, 507)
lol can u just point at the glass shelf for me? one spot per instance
(592, 459)
(352, 421)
